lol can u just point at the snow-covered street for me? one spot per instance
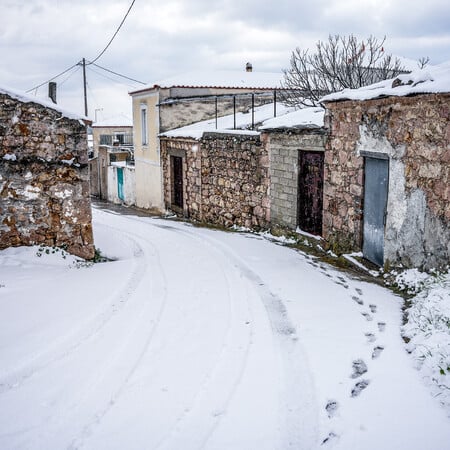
(200, 339)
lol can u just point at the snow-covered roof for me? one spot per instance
(225, 124)
(303, 118)
(219, 79)
(25, 98)
(430, 80)
(120, 120)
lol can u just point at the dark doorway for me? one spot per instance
(176, 163)
(376, 179)
(310, 191)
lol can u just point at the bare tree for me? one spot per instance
(338, 63)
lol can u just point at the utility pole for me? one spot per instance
(83, 63)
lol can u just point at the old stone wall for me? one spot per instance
(414, 134)
(44, 179)
(284, 147)
(225, 179)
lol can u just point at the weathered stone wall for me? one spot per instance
(225, 179)
(284, 147)
(414, 133)
(44, 179)
(235, 180)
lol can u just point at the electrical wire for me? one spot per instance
(116, 73)
(114, 35)
(70, 75)
(51, 79)
(109, 78)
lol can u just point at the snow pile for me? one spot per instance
(428, 329)
(303, 118)
(10, 157)
(220, 79)
(431, 79)
(412, 281)
(25, 98)
(120, 120)
(226, 123)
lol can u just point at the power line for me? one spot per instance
(70, 75)
(114, 35)
(116, 73)
(110, 78)
(51, 79)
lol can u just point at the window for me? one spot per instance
(144, 130)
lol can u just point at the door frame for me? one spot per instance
(376, 255)
(173, 188)
(301, 154)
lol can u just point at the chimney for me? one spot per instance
(248, 67)
(52, 91)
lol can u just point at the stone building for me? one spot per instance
(296, 146)
(184, 100)
(248, 178)
(387, 170)
(221, 179)
(44, 176)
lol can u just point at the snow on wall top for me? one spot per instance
(220, 79)
(430, 80)
(25, 98)
(303, 118)
(225, 124)
(120, 120)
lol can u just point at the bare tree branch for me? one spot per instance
(338, 63)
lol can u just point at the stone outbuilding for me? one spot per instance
(44, 176)
(250, 178)
(387, 170)
(296, 147)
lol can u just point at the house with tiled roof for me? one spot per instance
(183, 100)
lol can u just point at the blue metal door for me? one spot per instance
(375, 202)
(120, 183)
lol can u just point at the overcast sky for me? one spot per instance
(41, 38)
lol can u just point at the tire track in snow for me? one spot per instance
(298, 392)
(108, 389)
(198, 417)
(102, 412)
(66, 345)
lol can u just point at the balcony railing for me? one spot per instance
(117, 139)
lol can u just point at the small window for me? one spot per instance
(144, 129)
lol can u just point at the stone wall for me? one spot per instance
(225, 179)
(284, 147)
(414, 133)
(44, 179)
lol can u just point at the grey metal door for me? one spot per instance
(376, 173)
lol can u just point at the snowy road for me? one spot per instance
(199, 339)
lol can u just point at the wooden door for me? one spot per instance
(177, 181)
(310, 192)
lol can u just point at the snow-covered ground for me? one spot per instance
(200, 339)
